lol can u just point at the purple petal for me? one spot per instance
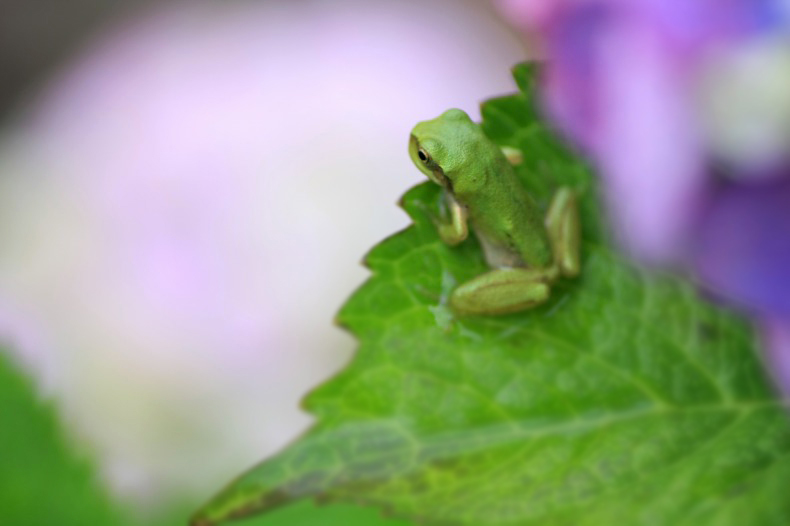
(618, 90)
(647, 146)
(620, 82)
(571, 76)
(580, 37)
(743, 245)
(776, 336)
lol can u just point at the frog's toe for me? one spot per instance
(513, 155)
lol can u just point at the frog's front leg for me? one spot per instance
(562, 225)
(453, 229)
(502, 291)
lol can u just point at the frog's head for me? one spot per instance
(442, 147)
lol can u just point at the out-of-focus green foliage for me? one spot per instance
(624, 400)
(41, 481)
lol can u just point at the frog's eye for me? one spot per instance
(423, 155)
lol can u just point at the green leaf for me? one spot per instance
(626, 399)
(41, 481)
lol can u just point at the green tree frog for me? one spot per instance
(527, 251)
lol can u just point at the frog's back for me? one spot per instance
(507, 220)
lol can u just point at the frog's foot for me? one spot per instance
(562, 224)
(513, 155)
(502, 291)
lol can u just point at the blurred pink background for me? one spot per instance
(184, 205)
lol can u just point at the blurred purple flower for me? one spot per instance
(742, 244)
(658, 92)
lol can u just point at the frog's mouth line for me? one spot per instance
(442, 180)
(432, 170)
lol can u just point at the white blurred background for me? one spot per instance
(186, 191)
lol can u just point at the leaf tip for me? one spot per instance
(365, 261)
(341, 323)
(525, 74)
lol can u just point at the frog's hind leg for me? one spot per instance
(562, 224)
(501, 291)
